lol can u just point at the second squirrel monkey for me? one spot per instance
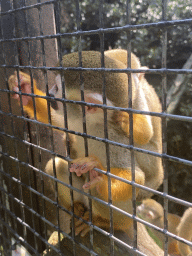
(152, 211)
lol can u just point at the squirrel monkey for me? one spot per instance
(146, 134)
(146, 129)
(152, 211)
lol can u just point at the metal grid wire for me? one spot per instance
(11, 223)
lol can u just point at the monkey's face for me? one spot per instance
(149, 210)
(145, 213)
(77, 112)
(93, 115)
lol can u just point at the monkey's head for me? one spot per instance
(92, 79)
(150, 210)
(90, 83)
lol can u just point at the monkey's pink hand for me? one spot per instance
(84, 165)
(25, 84)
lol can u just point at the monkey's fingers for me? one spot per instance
(13, 85)
(15, 96)
(80, 226)
(78, 222)
(83, 229)
(92, 183)
(85, 216)
(80, 169)
(25, 85)
(84, 165)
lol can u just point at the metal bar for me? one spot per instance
(158, 25)
(164, 123)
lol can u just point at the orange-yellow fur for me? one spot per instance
(40, 103)
(120, 191)
(173, 249)
(141, 136)
(41, 107)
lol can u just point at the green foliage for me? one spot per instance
(146, 43)
(156, 239)
(152, 235)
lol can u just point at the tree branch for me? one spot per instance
(178, 88)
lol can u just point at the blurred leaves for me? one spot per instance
(146, 43)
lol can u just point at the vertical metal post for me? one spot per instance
(164, 122)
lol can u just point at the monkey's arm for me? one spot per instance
(142, 129)
(40, 103)
(120, 190)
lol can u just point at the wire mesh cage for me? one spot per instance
(85, 140)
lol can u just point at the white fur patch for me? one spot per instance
(98, 99)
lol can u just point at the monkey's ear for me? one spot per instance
(95, 98)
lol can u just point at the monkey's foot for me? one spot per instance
(25, 85)
(87, 164)
(79, 209)
(83, 228)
